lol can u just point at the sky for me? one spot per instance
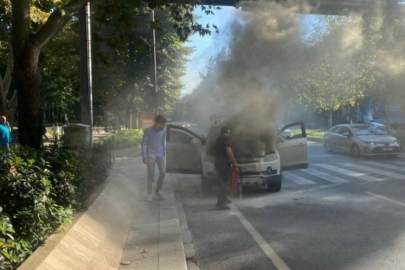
(208, 46)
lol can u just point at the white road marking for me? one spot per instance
(297, 179)
(325, 176)
(399, 162)
(267, 249)
(387, 199)
(375, 170)
(385, 165)
(348, 173)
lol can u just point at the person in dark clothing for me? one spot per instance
(223, 159)
(44, 132)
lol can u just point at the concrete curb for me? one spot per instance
(189, 249)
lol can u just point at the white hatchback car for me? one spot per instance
(186, 153)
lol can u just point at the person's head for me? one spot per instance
(225, 131)
(160, 122)
(3, 119)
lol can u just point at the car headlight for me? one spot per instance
(395, 143)
(270, 157)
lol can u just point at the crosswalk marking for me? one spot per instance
(325, 176)
(375, 170)
(348, 173)
(384, 165)
(399, 162)
(297, 179)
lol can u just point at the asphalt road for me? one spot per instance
(342, 213)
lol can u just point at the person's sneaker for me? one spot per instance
(228, 201)
(149, 198)
(160, 195)
(222, 207)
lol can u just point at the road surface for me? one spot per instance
(341, 213)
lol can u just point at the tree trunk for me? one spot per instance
(330, 119)
(28, 81)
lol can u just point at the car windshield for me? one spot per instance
(365, 130)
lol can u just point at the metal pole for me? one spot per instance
(86, 81)
(89, 68)
(154, 51)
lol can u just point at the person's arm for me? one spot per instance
(144, 145)
(229, 152)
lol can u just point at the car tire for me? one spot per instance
(355, 150)
(206, 187)
(328, 147)
(274, 187)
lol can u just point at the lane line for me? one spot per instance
(397, 168)
(325, 176)
(399, 162)
(267, 249)
(297, 179)
(348, 173)
(385, 198)
(375, 170)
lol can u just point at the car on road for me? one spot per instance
(360, 139)
(187, 152)
(378, 126)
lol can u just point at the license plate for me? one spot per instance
(248, 168)
(388, 149)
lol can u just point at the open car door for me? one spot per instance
(293, 149)
(183, 151)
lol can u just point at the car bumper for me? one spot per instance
(254, 178)
(381, 150)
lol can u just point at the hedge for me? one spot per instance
(39, 192)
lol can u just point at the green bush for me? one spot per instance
(128, 138)
(39, 190)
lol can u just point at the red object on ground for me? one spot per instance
(233, 182)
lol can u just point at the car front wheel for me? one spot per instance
(328, 147)
(355, 150)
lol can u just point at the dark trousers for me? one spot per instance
(223, 169)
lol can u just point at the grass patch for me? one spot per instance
(315, 133)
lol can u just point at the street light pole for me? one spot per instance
(154, 50)
(86, 82)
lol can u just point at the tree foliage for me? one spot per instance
(30, 34)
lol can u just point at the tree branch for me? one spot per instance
(10, 62)
(57, 20)
(12, 105)
(21, 20)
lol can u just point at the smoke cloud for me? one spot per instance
(267, 44)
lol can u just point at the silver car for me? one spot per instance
(360, 139)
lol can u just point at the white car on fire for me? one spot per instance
(186, 153)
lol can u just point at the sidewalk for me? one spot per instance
(154, 240)
(120, 227)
